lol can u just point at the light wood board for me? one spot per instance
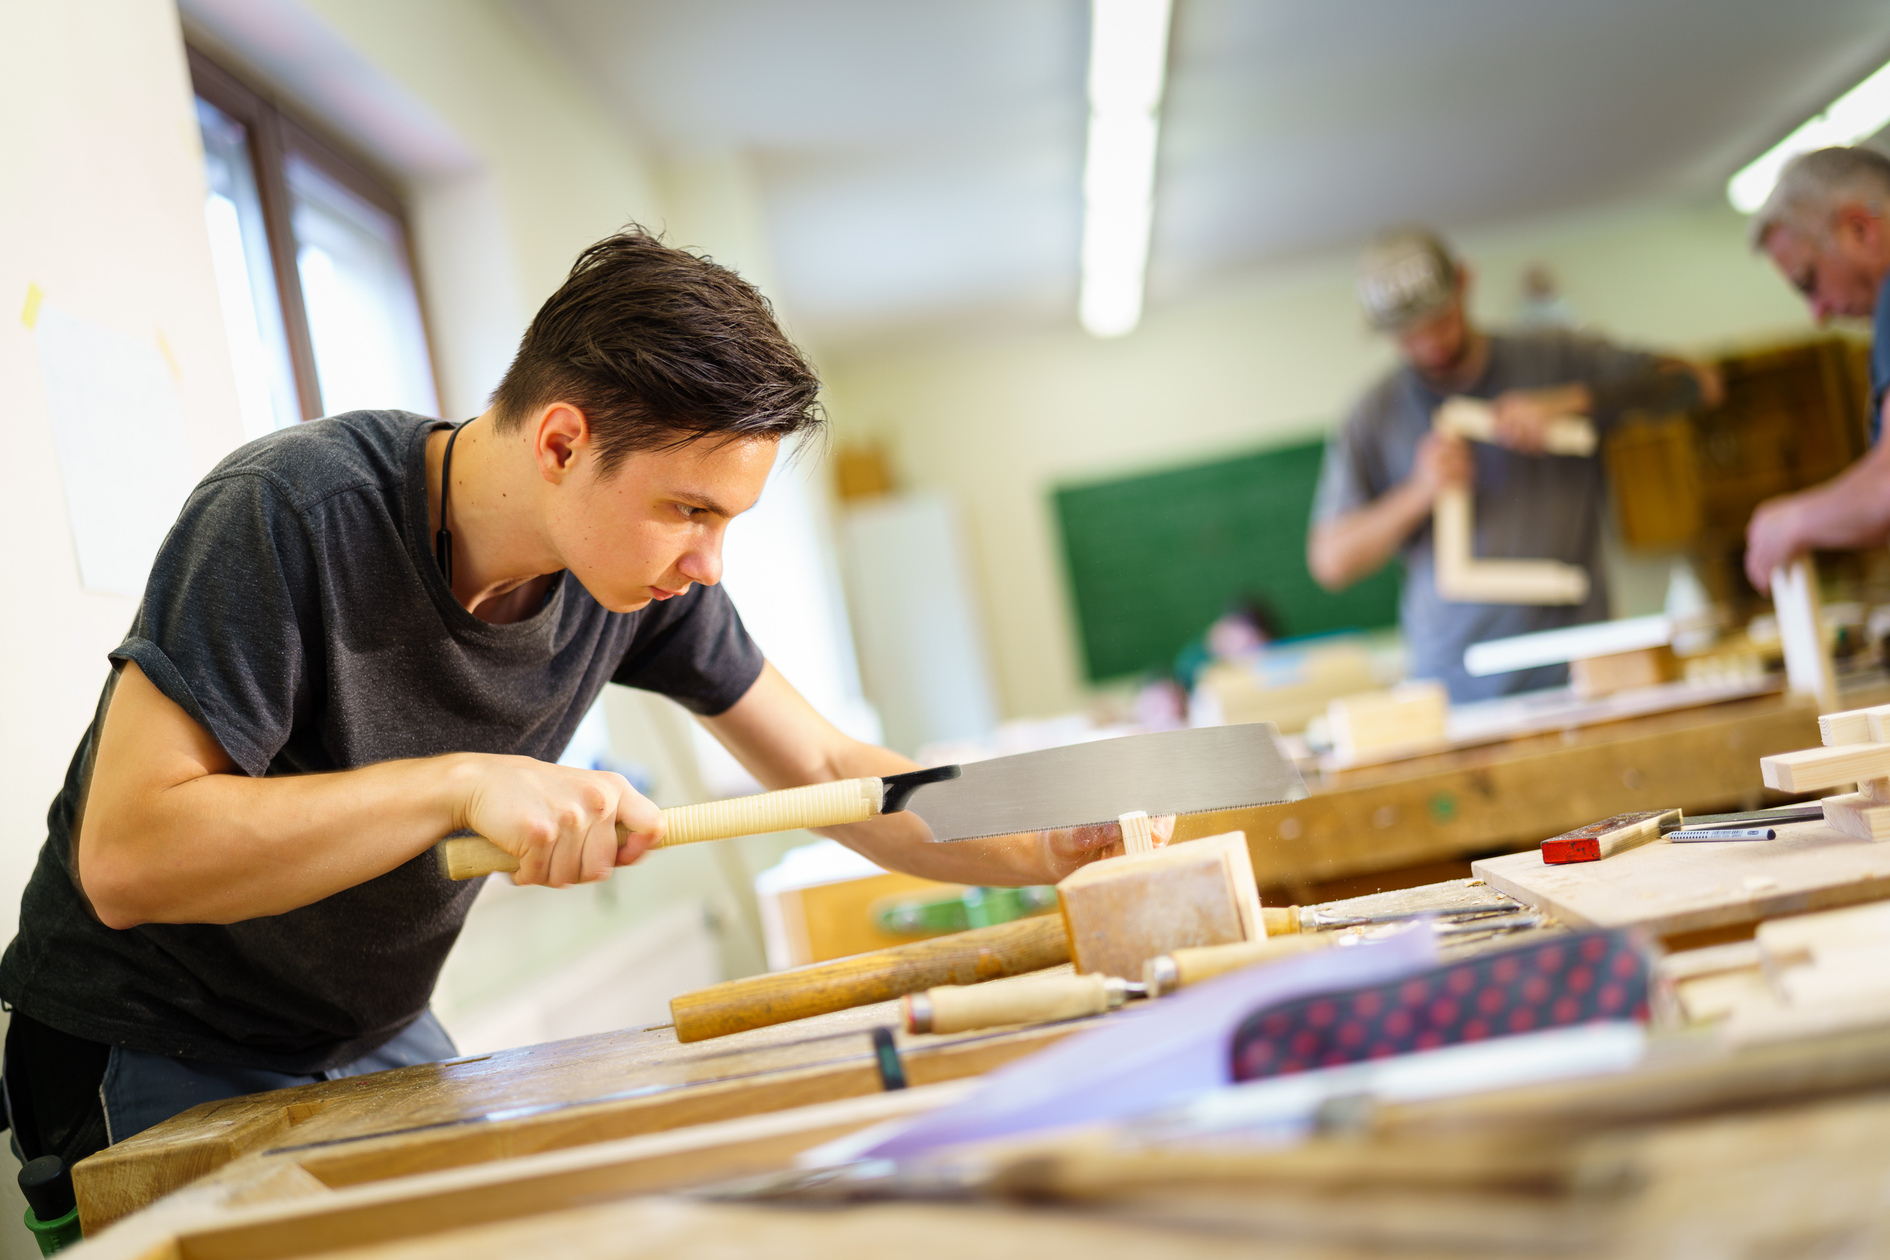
(1672, 888)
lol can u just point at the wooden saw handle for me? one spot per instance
(816, 805)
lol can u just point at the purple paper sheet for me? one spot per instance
(1158, 1056)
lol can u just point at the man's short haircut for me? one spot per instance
(1813, 185)
(658, 347)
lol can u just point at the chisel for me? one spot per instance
(1169, 772)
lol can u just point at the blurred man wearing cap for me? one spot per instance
(1385, 467)
(1824, 226)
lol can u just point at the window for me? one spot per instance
(312, 264)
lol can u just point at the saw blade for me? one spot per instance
(1168, 772)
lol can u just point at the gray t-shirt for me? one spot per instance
(296, 613)
(1530, 507)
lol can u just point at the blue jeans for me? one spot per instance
(141, 1089)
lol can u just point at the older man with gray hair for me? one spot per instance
(1824, 225)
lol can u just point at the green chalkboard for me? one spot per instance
(1154, 559)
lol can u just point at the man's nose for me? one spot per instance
(703, 564)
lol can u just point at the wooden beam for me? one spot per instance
(1813, 769)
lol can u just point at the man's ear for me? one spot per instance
(562, 436)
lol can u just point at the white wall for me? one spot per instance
(996, 420)
(101, 208)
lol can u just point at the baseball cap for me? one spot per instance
(1404, 275)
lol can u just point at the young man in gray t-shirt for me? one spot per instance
(371, 631)
(1384, 468)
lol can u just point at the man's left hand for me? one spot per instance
(1523, 416)
(1067, 848)
(1773, 537)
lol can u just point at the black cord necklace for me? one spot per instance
(443, 541)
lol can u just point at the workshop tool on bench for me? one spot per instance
(1775, 817)
(1036, 1000)
(1169, 772)
(1009, 949)
(1165, 973)
(1608, 837)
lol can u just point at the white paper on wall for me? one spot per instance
(118, 425)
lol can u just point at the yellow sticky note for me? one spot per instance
(29, 314)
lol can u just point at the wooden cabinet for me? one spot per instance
(1793, 416)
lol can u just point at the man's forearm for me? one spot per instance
(1353, 546)
(221, 848)
(1851, 510)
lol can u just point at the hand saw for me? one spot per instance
(1169, 772)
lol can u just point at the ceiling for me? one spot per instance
(921, 161)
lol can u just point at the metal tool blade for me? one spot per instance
(1169, 772)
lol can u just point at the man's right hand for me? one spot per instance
(1341, 551)
(1443, 462)
(565, 825)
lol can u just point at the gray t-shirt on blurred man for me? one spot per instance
(1526, 507)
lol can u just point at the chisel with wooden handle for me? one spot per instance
(1035, 1000)
(1169, 772)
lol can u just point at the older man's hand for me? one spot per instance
(1773, 537)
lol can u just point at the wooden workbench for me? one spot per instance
(1451, 807)
(577, 1149)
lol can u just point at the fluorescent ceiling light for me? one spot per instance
(1128, 59)
(1857, 115)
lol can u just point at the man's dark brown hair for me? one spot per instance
(658, 347)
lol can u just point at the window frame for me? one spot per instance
(273, 133)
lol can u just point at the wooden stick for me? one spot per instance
(1475, 419)
(1813, 769)
(1007, 949)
